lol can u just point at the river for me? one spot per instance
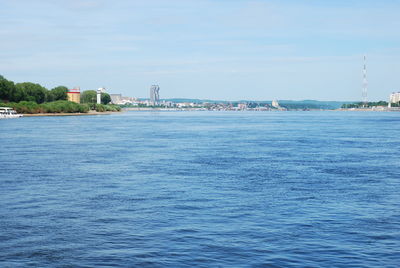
(201, 189)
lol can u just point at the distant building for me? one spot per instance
(121, 100)
(242, 106)
(167, 103)
(275, 104)
(74, 95)
(185, 104)
(154, 95)
(394, 97)
(116, 98)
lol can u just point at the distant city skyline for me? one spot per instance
(204, 49)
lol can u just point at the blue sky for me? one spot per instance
(216, 49)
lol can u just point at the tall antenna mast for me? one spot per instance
(365, 84)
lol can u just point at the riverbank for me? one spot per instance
(371, 109)
(69, 114)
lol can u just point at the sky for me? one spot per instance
(207, 49)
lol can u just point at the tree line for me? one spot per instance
(31, 92)
(362, 104)
(27, 91)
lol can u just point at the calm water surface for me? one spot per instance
(201, 189)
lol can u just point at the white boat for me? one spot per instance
(7, 112)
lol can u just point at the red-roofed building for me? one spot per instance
(74, 95)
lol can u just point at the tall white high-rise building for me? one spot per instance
(154, 95)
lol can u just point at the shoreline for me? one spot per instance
(161, 109)
(372, 109)
(376, 109)
(197, 109)
(68, 114)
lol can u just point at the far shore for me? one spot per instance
(161, 109)
(380, 109)
(371, 109)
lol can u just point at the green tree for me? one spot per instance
(49, 96)
(34, 92)
(7, 89)
(59, 93)
(362, 105)
(395, 104)
(88, 96)
(18, 95)
(105, 98)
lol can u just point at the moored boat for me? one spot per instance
(7, 112)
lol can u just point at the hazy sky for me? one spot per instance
(218, 49)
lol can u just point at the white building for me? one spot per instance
(394, 97)
(185, 104)
(121, 100)
(99, 91)
(242, 106)
(116, 98)
(275, 104)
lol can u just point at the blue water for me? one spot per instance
(201, 189)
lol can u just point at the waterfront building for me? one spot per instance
(74, 95)
(394, 97)
(121, 100)
(185, 104)
(128, 100)
(99, 91)
(116, 98)
(275, 104)
(154, 95)
(242, 106)
(167, 103)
